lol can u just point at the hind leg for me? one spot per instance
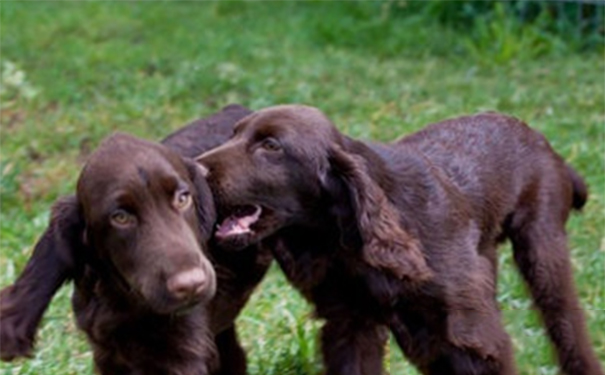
(540, 251)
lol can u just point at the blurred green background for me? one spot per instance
(73, 72)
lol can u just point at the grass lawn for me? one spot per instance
(73, 72)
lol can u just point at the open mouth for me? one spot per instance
(239, 221)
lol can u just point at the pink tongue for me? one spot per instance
(233, 226)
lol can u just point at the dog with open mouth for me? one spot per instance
(403, 236)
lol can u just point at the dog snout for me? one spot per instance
(189, 285)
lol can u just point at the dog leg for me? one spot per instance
(353, 347)
(232, 356)
(540, 251)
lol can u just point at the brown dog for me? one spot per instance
(134, 240)
(404, 235)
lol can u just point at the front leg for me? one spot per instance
(52, 263)
(352, 340)
(231, 355)
(352, 346)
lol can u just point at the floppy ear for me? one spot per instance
(52, 263)
(203, 197)
(385, 244)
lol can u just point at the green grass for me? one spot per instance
(83, 70)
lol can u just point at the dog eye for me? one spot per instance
(122, 218)
(271, 144)
(182, 200)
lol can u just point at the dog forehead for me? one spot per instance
(296, 120)
(124, 161)
(121, 152)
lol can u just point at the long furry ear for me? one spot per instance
(385, 244)
(53, 262)
(203, 197)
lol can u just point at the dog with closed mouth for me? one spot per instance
(150, 294)
(404, 235)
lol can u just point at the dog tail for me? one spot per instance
(580, 190)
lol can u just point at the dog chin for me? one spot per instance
(236, 242)
(168, 306)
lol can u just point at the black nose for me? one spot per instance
(188, 284)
